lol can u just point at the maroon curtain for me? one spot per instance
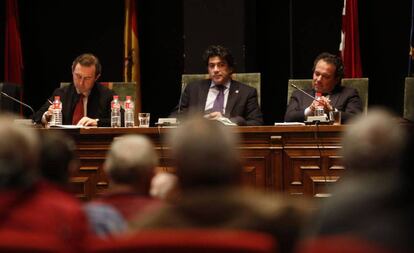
(13, 60)
(350, 40)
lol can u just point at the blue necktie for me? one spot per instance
(219, 102)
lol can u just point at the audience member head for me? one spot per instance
(220, 64)
(131, 161)
(373, 143)
(206, 155)
(328, 71)
(57, 157)
(18, 154)
(86, 69)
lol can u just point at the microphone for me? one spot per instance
(304, 92)
(179, 101)
(19, 102)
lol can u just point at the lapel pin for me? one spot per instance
(237, 91)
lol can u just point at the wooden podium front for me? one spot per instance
(299, 160)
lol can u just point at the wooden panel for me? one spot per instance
(299, 160)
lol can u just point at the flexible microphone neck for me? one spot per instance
(179, 102)
(304, 92)
(19, 102)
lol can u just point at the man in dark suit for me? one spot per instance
(328, 71)
(221, 97)
(84, 102)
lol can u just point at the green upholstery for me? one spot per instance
(122, 89)
(360, 84)
(409, 99)
(251, 79)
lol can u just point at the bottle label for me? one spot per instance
(129, 105)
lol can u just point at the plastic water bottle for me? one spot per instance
(319, 111)
(129, 112)
(115, 112)
(57, 112)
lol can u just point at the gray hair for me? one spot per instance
(373, 142)
(130, 157)
(19, 154)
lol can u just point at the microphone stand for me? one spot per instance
(19, 102)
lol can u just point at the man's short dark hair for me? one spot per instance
(88, 60)
(331, 59)
(220, 51)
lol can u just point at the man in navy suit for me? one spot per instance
(219, 96)
(328, 71)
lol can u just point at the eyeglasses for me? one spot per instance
(80, 77)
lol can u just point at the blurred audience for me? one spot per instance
(27, 203)
(164, 186)
(129, 166)
(373, 201)
(57, 157)
(209, 178)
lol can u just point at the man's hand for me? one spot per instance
(213, 115)
(49, 113)
(323, 101)
(85, 121)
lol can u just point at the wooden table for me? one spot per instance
(299, 160)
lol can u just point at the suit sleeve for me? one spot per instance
(352, 106)
(39, 114)
(295, 111)
(252, 116)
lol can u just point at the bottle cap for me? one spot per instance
(115, 96)
(57, 97)
(128, 97)
(318, 94)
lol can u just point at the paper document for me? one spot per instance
(289, 124)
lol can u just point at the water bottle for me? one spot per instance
(129, 112)
(56, 112)
(115, 112)
(319, 111)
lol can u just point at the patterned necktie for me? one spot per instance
(218, 105)
(78, 113)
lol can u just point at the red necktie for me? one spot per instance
(78, 112)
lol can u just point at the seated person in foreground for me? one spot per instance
(31, 205)
(84, 102)
(210, 192)
(129, 166)
(328, 71)
(220, 96)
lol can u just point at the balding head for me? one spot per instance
(206, 154)
(373, 142)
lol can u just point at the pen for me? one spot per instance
(50, 102)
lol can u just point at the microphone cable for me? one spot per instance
(320, 146)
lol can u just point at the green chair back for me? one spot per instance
(409, 98)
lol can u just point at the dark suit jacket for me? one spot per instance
(99, 104)
(345, 99)
(242, 106)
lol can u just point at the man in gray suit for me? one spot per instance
(219, 96)
(328, 71)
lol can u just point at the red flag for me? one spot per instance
(349, 46)
(13, 60)
(131, 50)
